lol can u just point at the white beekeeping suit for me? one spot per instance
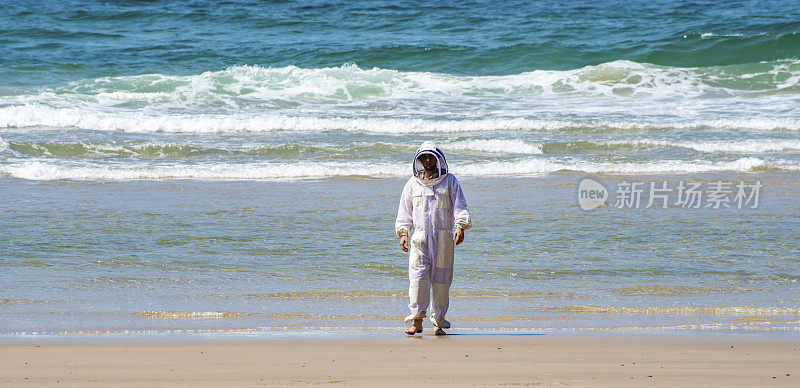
(431, 208)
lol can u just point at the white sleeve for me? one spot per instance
(460, 211)
(405, 215)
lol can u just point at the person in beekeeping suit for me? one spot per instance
(433, 207)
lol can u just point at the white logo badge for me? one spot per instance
(591, 194)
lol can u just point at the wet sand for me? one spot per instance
(404, 361)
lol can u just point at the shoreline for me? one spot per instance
(356, 333)
(450, 360)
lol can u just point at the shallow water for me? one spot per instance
(257, 256)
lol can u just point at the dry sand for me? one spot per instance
(405, 361)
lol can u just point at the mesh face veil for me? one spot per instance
(429, 148)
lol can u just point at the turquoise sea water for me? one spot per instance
(234, 167)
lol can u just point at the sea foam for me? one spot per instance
(39, 170)
(352, 83)
(39, 116)
(731, 146)
(618, 94)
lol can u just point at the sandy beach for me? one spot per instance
(422, 360)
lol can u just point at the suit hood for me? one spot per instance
(429, 147)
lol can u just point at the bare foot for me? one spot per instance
(438, 331)
(417, 328)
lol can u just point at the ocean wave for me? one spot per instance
(44, 117)
(499, 146)
(764, 145)
(269, 171)
(729, 146)
(102, 150)
(38, 170)
(543, 166)
(149, 150)
(614, 96)
(253, 88)
(187, 149)
(351, 83)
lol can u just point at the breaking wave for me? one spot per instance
(352, 83)
(618, 95)
(40, 116)
(38, 170)
(497, 147)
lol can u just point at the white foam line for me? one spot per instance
(38, 170)
(40, 116)
(49, 171)
(538, 166)
(495, 146)
(744, 146)
(707, 35)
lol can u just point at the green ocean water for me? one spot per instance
(78, 40)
